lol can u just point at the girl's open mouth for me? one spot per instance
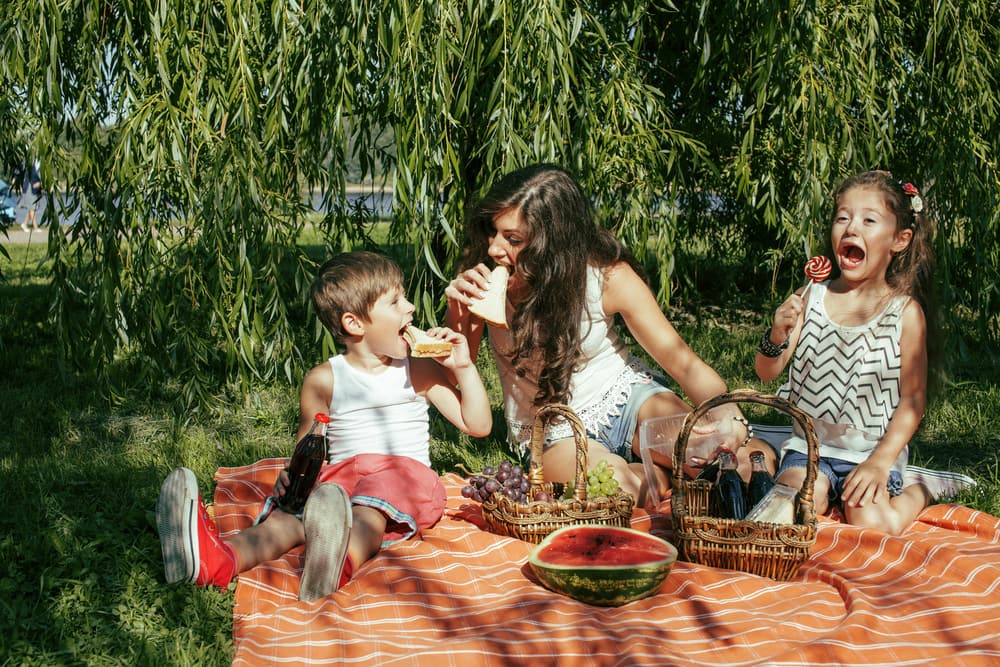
(850, 255)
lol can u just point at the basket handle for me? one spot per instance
(806, 507)
(535, 470)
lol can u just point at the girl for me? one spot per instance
(858, 353)
(569, 279)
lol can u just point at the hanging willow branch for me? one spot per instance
(190, 139)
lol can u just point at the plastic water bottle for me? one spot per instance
(303, 468)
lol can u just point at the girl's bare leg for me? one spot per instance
(893, 515)
(794, 477)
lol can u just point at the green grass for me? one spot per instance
(80, 570)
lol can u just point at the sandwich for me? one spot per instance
(422, 345)
(492, 307)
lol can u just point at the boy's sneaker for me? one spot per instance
(327, 522)
(192, 548)
(941, 484)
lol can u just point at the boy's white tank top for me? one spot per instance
(376, 413)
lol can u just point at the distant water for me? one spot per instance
(378, 202)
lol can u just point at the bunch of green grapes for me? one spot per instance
(601, 482)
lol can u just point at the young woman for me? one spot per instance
(570, 279)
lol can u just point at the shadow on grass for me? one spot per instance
(80, 569)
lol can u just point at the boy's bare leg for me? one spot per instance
(366, 534)
(337, 542)
(267, 540)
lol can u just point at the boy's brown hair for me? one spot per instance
(351, 283)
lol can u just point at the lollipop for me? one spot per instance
(818, 268)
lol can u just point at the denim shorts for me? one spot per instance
(836, 470)
(618, 434)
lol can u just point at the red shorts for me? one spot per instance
(406, 491)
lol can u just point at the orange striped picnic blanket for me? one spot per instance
(462, 596)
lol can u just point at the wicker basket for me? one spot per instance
(766, 549)
(535, 520)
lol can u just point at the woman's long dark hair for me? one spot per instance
(563, 239)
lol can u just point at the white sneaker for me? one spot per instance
(25, 228)
(941, 484)
(327, 521)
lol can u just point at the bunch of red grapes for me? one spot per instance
(506, 478)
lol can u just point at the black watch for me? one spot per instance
(769, 349)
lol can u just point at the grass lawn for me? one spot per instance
(82, 581)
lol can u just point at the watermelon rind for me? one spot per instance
(605, 585)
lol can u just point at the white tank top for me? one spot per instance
(603, 380)
(376, 413)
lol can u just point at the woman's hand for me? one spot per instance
(720, 430)
(470, 284)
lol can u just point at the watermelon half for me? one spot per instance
(602, 565)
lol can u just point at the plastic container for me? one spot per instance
(658, 436)
(778, 506)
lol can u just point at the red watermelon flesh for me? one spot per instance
(600, 546)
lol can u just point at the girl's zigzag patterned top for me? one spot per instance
(841, 377)
(846, 378)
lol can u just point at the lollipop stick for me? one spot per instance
(805, 292)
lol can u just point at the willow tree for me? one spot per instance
(789, 98)
(185, 134)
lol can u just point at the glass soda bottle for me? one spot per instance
(710, 472)
(761, 480)
(303, 468)
(728, 499)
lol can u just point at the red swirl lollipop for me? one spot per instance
(818, 268)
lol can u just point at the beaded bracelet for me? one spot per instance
(769, 349)
(743, 420)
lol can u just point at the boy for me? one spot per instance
(377, 487)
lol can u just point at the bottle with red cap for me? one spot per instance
(727, 498)
(303, 468)
(761, 480)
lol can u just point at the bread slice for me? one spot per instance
(493, 306)
(422, 345)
